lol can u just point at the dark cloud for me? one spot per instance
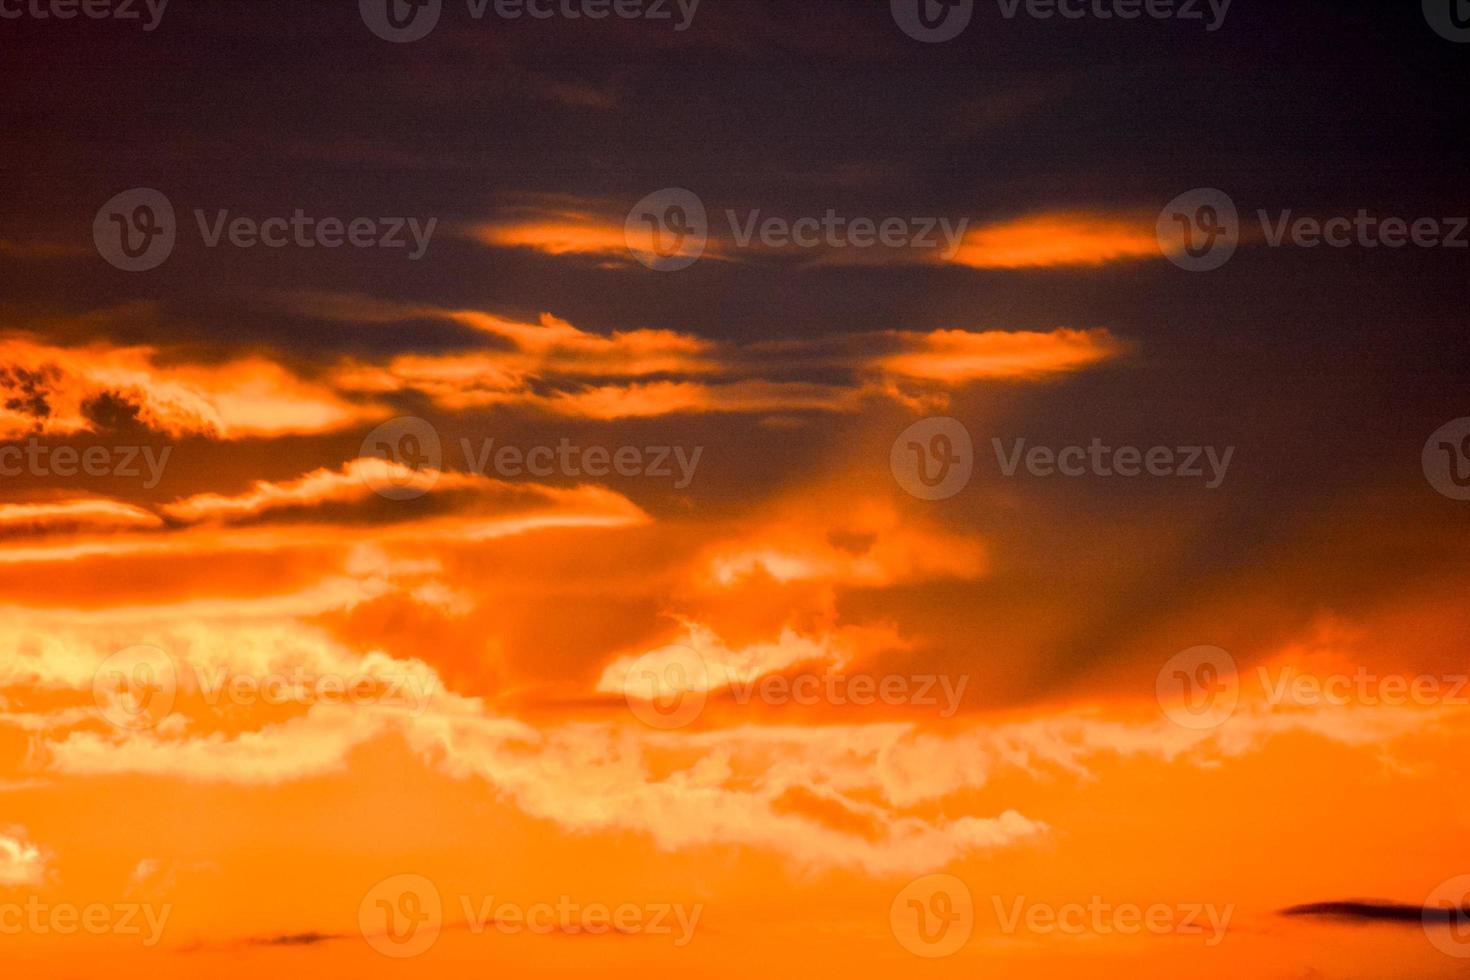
(1375, 911)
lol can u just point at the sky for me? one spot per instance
(914, 488)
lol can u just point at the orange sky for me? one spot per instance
(570, 601)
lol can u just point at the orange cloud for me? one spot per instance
(64, 390)
(1069, 238)
(958, 356)
(71, 515)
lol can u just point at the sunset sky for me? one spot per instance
(467, 508)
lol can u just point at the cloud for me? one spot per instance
(21, 862)
(959, 356)
(1375, 911)
(50, 390)
(93, 514)
(553, 367)
(1059, 239)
